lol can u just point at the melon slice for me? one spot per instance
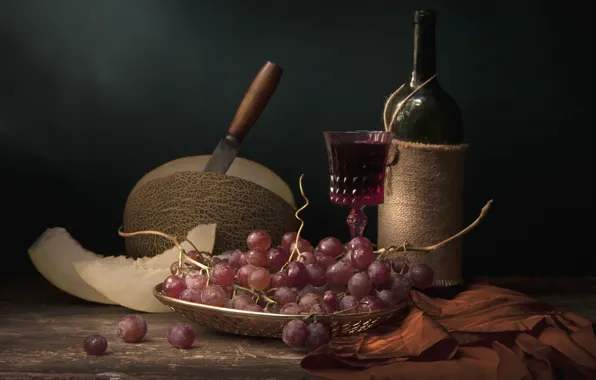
(55, 250)
(241, 168)
(53, 253)
(129, 282)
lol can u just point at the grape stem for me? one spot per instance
(297, 215)
(193, 261)
(164, 235)
(254, 293)
(408, 247)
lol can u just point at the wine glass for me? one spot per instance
(357, 162)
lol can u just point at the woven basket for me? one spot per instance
(269, 325)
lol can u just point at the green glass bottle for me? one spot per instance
(429, 115)
(423, 201)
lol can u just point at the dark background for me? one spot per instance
(95, 93)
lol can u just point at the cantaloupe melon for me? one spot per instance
(54, 252)
(178, 195)
(241, 168)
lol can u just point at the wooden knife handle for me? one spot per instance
(255, 100)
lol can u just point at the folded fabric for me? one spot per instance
(486, 332)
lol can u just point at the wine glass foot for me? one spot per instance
(357, 222)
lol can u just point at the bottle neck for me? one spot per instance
(425, 54)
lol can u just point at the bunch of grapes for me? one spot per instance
(297, 278)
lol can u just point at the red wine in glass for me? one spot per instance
(357, 162)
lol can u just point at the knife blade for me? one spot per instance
(254, 102)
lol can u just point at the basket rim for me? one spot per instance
(170, 302)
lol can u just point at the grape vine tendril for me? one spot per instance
(408, 247)
(297, 215)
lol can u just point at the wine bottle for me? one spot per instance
(429, 114)
(424, 184)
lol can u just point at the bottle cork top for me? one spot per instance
(425, 16)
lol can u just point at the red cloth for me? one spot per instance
(485, 332)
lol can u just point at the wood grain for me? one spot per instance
(48, 339)
(42, 332)
(255, 100)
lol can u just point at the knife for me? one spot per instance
(251, 107)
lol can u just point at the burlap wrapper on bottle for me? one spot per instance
(424, 205)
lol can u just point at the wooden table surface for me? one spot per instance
(42, 332)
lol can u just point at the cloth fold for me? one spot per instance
(486, 332)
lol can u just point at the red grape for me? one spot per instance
(173, 286)
(339, 274)
(279, 279)
(348, 302)
(284, 296)
(297, 274)
(274, 308)
(215, 261)
(196, 282)
(318, 335)
(359, 285)
(316, 275)
(379, 272)
(243, 259)
(303, 246)
(287, 240)
(229, 291)
(191, 295)
(196, 257)
(222, 274)
(291, 308)
(330, 246)
(243, 273)
(253, 307)
(214, 295)
(400, 286)
(181, 335)
(132, 328)
(257, 257)
(295, 333)
(307, 258)
(362, 257)
(320, 308)
(398, 264)
(234, 259)
(388, 298)
(370, 304)
(421, 276)
(259, 279)
(348, 256)
(330, 299)
(277, 258)
(308, 288)
(259, 239)
(324, 261)
(240, 301)
(95, 345)
(360, 241)
(308, 300)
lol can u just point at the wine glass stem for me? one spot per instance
(357, 221)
